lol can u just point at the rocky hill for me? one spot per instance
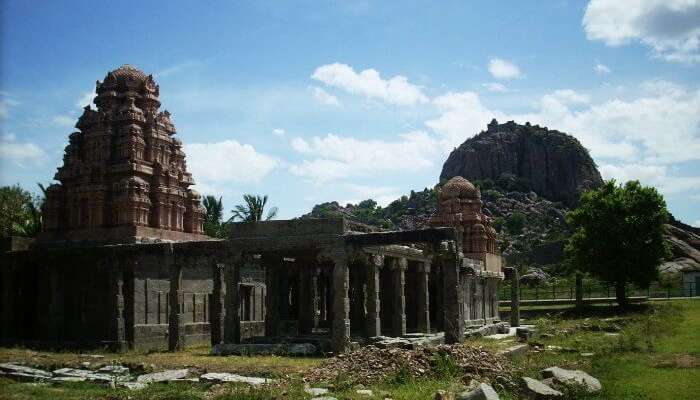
(551, 163)
(529, 178)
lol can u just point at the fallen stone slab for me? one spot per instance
(316, 391)
(23, 377)
(487, 330)
(15, 368)
(514, 351)
(114, 370)
(86, 374)
(537, 390)
(163, 376)
(134, 385)
(64, 379)
(572, 378)
(482, 392)
(226, 377)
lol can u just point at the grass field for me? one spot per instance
(650, 352)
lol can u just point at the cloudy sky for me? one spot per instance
(347, 100)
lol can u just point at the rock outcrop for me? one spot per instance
(550, 163)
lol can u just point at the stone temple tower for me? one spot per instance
(124, 177)
(459, 206)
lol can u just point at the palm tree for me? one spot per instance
(214, 213)
(253, 209)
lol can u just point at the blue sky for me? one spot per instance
(319, 101)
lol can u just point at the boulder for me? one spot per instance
(163, 376)
(226, 377)
(482, 392)
(572, 378)
(538, 390)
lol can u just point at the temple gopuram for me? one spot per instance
(123, 264)
(124, 176)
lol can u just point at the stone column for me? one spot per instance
(176, 326)
(341, 305)
(116, 287)
(308, 300)
(232, 278)
(374, 325)
(452, 320)
(512, 274)
(398, 319)
(217, 314)
(423, 293)
(272, 293)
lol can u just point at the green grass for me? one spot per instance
(656, 355)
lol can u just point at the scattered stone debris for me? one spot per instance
(572, 378)
(84, 374)
(372, 364)
(364, 392)
(226, 377)
(23, 373)
(316, 391)
(408, 342)
(247, 349)
(539, 390)
(133, 385)
(163, 376)
(482, 392)
(114, 370)
(514, 351)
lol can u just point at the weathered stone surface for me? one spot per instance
(551, 163)
(538, 390)
(114, 370)
(316, 391)
(13, 368)
(572, 378)
(514, 351)
(301, 349)
(83, 373)
(163, 376)
(64, 379)
(364, 392)
(134, 385)
(226, 377)
(482, 392)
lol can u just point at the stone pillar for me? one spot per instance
(283, 291)
(217, 314)
(514, 276)
(116, 287)
(373, 324)
(452, 320)
(308, 300)
(232, 278)
(272, 294)
(398, 318)
(423, 293)
(341, 305)
(176, 326)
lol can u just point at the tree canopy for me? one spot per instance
(618, 234)
(20, 213)
(213, 217)
(253, 209)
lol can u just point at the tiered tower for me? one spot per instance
(124, 177)
(459, 206)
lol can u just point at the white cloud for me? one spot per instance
(324, 97)
(279, 132)
(696, 224)
(65, 121)
(658, 176)
(5, 103)
(369, 83)
(383, 195)
(495, 87)
(22, 154)
(670, 27)
(336, 157)
(216, 165)
(601, 69)
(85, 99)
(503, 69)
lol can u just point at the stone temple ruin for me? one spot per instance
(123, 262)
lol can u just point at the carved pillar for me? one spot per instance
(232, 278)
(398, 325)
(176, 326)
(341, 304)
(373, 324)
(452, 320)
(423, 301)
(272, 293)
(308, 300)
(116, 287)
(217, 305)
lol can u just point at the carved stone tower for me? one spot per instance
(124, 177)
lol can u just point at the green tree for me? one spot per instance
(213, 216)
(515, 223)
(618, 235)
(20, 213)
(253, 209)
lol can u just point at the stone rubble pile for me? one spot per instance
(372, 364)
(119, 375)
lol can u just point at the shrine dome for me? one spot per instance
(459, 188)
(126, 76)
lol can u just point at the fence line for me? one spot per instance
(568, 291)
